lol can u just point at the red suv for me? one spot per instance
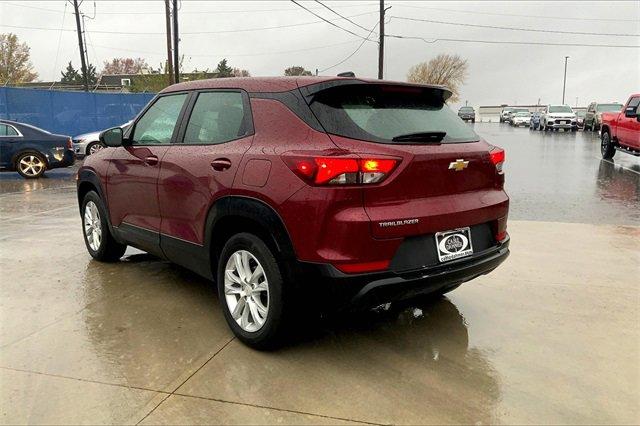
(288, 191)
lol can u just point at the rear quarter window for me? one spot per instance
(378, 113)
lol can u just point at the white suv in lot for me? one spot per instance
(556, 117)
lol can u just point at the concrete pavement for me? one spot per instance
(552, 336)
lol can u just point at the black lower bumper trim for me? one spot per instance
(378, 288)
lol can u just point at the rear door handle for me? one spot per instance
(151, 160)
(220, 164)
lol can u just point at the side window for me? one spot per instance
(7, 130)
(634, 102)
(156, 126)
(217, 117)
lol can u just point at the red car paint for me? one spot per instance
(624, 130)
(171, 189)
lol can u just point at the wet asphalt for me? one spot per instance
(552, 336)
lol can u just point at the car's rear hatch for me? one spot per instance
(440, 183)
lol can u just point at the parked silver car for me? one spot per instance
(521, 118)
(89, 143)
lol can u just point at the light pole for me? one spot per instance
(564, 85)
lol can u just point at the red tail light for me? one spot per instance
(341, 170)
(497, 157)
(70, 144)
(354, 268)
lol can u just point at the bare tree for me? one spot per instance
(15, 61)
(445, 70)
(237, 72)
(124, 66)
(296, 70)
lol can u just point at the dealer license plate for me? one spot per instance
(454, 244)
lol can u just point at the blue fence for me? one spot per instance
(70, 113)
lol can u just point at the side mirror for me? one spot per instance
(630, 112)
(112, 137)
(638, 115)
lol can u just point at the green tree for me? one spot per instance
(92, 75)
(70, 75)
(223, 69)
(15, 61)
(149, 83)
(296, 70)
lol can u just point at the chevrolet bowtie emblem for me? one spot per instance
(458, 165)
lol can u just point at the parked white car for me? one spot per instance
(556, 117)
(89, 143)
(521, 119)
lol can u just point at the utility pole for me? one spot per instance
(85, 78)
(167, 12)
(564, 85)
(381, 43)
(176, 57)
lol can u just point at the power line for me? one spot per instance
(343, 17)
(190, 32)
(354, 52)
(434, 40)
(55, 63)
(461, 24)
(230, 55)
(326, 20)
(569, 18)
(205, 12)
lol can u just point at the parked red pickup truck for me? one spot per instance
(621, 130)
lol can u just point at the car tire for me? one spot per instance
(95, 229)
(255, 311)
(607, 147)
(92, 148)
(30, 165)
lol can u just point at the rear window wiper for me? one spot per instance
(432, 137)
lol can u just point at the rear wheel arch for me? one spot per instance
(235, 214)
(18, 154)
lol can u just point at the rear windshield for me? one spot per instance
(466, 109)
(608, 107)
(378, 113)
(560, 108)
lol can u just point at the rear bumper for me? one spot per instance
(67, 159)
(367, 290)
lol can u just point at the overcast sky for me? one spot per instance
(498, 73)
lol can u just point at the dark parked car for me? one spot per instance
(593, 117)
(31, 151)
(296, 191)
(467, 114)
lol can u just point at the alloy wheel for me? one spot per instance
(94, 148)
(31, 165)
(604, 144)
(246, 290)
(92, 226)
